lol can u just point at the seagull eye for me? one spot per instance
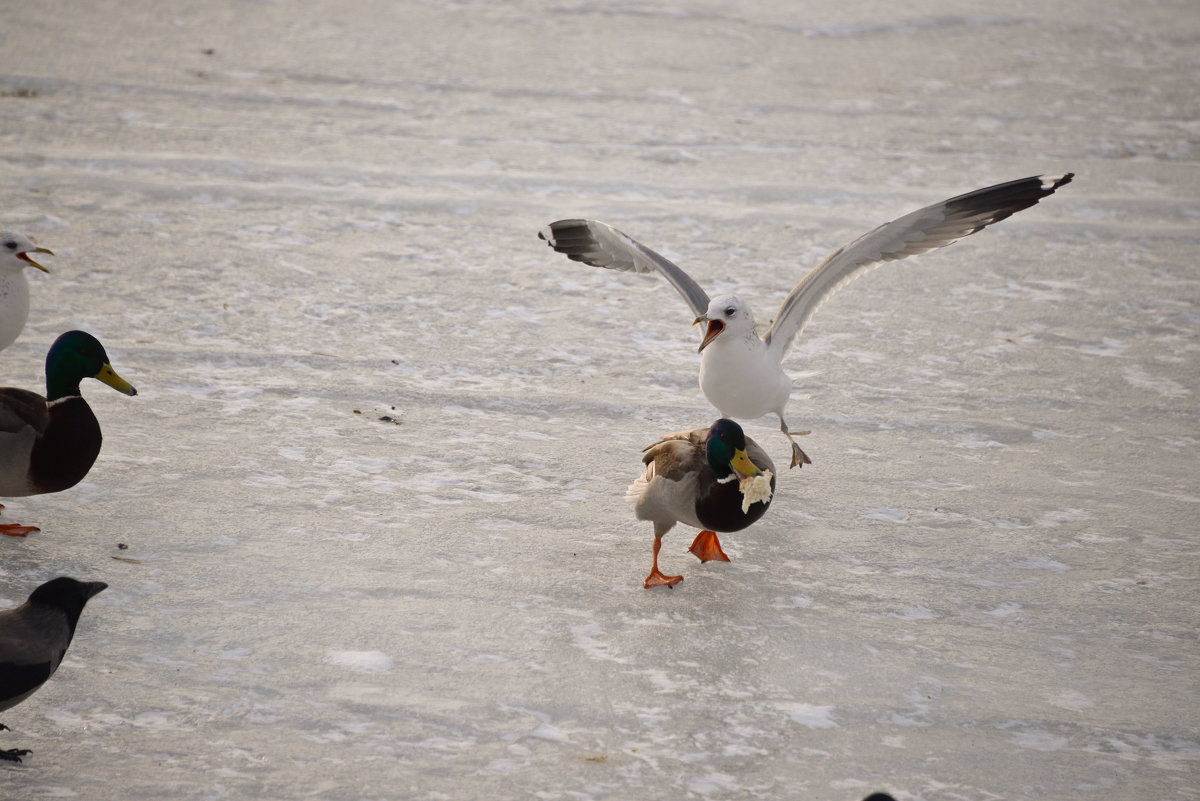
(10, 245)
(730, 311)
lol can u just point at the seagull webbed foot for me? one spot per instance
(13, 530)
(799, 457)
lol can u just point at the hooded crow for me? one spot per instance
(34, 638)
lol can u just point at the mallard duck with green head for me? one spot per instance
(715, 479)
(48, 444)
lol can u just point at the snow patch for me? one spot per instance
(360, 661)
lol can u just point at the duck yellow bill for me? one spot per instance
(714, 327)
(109, 376)
(742, 464)
(25, 258)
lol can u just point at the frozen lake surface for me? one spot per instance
(289, 221)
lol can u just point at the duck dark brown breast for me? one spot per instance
(65, 453)
(719, 506)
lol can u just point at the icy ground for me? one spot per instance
(290, 220)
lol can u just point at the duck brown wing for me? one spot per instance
(696, 436)
(20, 408)
(676, 458)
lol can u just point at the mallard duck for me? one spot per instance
(49, 444)
(697, 477)
(34, 638)
(741, 373)
(14, 287)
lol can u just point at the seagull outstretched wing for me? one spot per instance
(600, 245)
(923, 230)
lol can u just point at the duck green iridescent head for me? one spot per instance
(726, 450)
(77, 355)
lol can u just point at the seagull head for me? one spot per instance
(724, 313)
(15, 250)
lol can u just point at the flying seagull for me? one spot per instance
(742, 373)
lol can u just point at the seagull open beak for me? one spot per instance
(109, 376)
(715, 327)
(25, 258)
(742, 464)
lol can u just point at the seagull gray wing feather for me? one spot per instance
(923, 230)
(600, 245)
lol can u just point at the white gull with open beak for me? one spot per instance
(741, 373)
(14, 287)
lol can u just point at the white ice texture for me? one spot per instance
(372, 483)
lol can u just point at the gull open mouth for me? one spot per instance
(25, 258)
(715, 327)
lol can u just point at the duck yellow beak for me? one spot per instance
(109, 376)
(714, 327)
(742, 464)
(25, 258)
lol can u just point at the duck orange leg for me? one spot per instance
(707, 547)
(13, 530)
(656, 577)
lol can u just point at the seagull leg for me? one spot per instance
(656, 577)
(707, 547)
(799, 457)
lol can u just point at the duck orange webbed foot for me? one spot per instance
(13, 530)
(707, 547)
(657, 579)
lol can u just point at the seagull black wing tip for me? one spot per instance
(1005, 199)
(1056, 181)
